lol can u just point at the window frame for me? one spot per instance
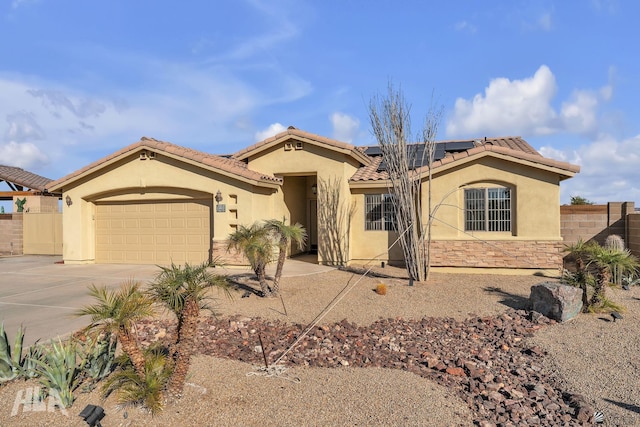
(485, 210)
(382, 210)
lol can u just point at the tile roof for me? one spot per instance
(225, 164)
(292, 131)
(511, 146)
(23, 178)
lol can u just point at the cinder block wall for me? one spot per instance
(596, 222)
(11, 234)
(586, 222)
(633, 233)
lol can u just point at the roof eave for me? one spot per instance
(60, 184)
(284, 136)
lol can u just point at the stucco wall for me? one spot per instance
(163, 178)
(534, 242)
(302, 168)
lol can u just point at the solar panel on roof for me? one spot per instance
(459, 145)
(417, 156)
(373, 151)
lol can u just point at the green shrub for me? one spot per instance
(132, 390)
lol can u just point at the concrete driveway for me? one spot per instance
(42, 295)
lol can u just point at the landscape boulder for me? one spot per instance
(556, 301)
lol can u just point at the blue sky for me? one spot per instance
(81, 79)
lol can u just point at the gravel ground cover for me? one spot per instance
(595, 358)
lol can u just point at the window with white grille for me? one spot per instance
(487, 209)
(379, 212)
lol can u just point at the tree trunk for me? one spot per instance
(282, 255)
(604, 277)
(184, 348)
(130, 347)
(262, 278)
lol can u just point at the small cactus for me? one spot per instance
(614, 242)
(381, 289)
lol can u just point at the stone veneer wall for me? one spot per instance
(497, 254)
(11, 234)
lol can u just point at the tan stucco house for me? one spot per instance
(155, 202)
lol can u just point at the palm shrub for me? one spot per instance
(606, 261)
(579, 252)
(256, 245)
(131, 389)
(284, 234)
(183, 290)
(59, 369)
(594, 267)
(115, 312)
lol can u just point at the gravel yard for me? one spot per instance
(589, 355)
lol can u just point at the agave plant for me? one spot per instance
(59, 369)
(12, 363)
(98, 358)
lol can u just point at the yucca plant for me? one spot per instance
(132, 390)
(60, 369)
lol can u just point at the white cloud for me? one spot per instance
(579, 113)
(609, 171)
(23, 127)
(270, 131)
(25, 155)
(345, 127)
(524, 107)
(508, 106)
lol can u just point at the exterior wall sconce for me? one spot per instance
(314, 189)
(218, 197)
(68, 200)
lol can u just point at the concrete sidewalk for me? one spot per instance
(42, 295)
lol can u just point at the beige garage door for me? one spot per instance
(157, 232)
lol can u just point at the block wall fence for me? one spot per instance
(596, 222)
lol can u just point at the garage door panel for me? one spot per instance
(153, 232)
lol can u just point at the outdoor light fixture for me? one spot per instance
(68, 200)
(92, 415)
(616, 316)
(218, 197)
(314, 189)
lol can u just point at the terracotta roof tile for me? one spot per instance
(225, 164)
(513, 146)
(23, 178)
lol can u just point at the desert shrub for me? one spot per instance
(381, 289)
